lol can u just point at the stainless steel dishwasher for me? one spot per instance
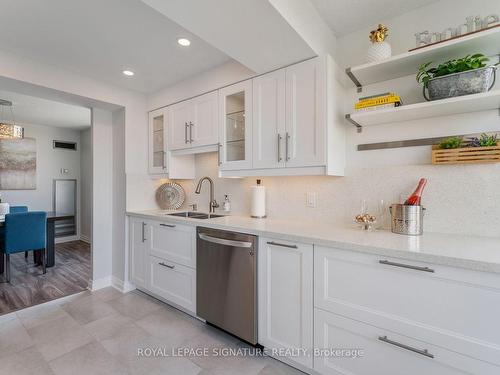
(226, 281)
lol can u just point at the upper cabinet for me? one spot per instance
(286, 122)
(193, 123)
(290, 117)
(157, 142)
(269, 120)
(306, 126)
(235, 126)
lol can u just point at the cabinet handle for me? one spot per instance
(402, 265)
(279, 147)
(191, 132)
(219, 160)
(166, 265)
(168, 225)
(282, 245)
(143, 231)
(403, 346)
(186, 132)
(164, 164)
(287, 146)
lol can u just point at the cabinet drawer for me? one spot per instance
(173, 282)
(384, 352)
(457, 308)
(173, 242)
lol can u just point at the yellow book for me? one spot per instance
(371, 103)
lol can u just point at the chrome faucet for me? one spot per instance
(212, 203)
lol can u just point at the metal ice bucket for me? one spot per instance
(406, 219)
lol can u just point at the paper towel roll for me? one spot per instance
(258, 208)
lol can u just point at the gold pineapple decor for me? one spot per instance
(379, 49)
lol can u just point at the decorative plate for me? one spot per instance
(170, 196)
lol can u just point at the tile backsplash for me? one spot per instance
(461, 199)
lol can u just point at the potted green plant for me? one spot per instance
(469, 75)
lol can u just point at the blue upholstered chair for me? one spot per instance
(16, 210)
(24, 231)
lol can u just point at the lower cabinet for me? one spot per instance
(137, 246)
(345, 346)
(285, 279)
(173, 282)
(163, 261)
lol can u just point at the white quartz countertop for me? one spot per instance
(470, 252)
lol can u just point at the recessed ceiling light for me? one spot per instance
(184, 42)
(128, 73)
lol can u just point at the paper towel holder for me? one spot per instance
(254, 216)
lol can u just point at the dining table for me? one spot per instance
(52, 217)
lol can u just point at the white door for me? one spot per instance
(138, 256)
(204, 124)
(179, 116)
(285, 279)
(269, 120)
(235, 126)
(306, 114)
(157, 132)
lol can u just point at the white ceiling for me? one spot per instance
(252, 32)
(345, 16)
(100, 38)
(38, 111)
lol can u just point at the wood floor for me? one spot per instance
(28, 286)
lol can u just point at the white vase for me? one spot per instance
(379, 51)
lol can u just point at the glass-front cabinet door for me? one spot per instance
(235, 126)
(157, 142)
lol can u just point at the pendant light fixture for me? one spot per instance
(9, 129)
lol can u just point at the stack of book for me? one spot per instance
(379, 101)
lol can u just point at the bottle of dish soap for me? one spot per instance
(227, 204)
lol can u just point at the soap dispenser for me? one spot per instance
(227, 204)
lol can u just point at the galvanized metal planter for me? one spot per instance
(463, 83)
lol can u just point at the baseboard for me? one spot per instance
(122, 286)
(66, 239)
(85, 238)
(100, 283)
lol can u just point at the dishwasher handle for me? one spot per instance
(223, 241)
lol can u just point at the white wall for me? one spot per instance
(102, 204)
(49, 161)
(459, 199)
(86, 185)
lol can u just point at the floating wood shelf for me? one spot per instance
(486, 42)
(445, 107)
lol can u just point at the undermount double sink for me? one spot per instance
(195, 215)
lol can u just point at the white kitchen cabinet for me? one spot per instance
(306, 127)
(173, 242)
(285, 286)
(443, 305)
(137, 248)
(173, 282)
(194, 123)
(235, 126)
(371, 350)
(269, 127)
(157, 137)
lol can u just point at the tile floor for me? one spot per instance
(100, 333)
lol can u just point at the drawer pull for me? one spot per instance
(282, 245)
(166, 265)
(168, 225)
(403, 346)
(417, 268)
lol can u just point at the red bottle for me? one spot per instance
(416, 198)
